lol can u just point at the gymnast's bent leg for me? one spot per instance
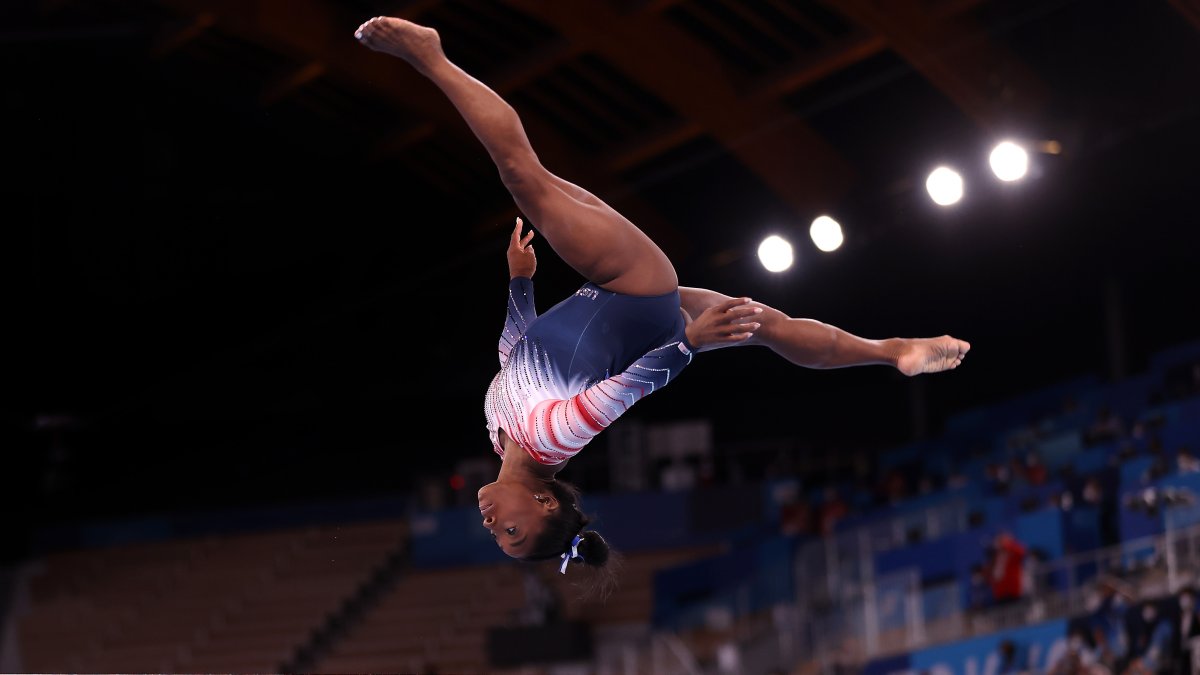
(590, 236)
(813, 344)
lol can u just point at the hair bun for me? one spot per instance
(593, 548)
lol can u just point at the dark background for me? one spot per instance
(253, 263)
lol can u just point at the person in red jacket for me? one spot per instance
(1006, 568)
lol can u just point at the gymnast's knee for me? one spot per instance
(523, 175)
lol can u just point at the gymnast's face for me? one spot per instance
(515, 515)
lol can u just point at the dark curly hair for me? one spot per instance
(561, 527)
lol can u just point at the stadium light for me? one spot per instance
(1009, 161)
(945, 186)
(775, 253)
(826, 233)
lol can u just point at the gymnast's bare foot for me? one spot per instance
(419, 45)
(931, 355)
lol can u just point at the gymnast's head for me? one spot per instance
(540, 519)
(533, 516)
(537, 520)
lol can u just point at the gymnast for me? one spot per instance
(567, 374)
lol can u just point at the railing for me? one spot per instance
(669, 655)
(841, 565)
(632, 648)
(896, 613)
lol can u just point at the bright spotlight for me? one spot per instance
(775, 253)
(945, 186)
(826, 233)
(1009, 161)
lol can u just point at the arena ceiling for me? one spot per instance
(247, 246)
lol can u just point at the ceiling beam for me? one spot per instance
(321, 36)
(650, 145)
(317, 32)
(797, 16)
(526, 68)
(170, 41)
(533, 65)
(395, 142)
(646, 6)
(952, 52)
(811, 69)
(516, 75)
(836, 56)
(797, 164)
(1190, 9)
(833, 58)
(289, 83)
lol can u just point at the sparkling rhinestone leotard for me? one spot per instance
(556, 388)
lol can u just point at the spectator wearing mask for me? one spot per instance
(1187, 626)
(1186, 462)
(1151, 635)
(1076, 657)
(1107, 622)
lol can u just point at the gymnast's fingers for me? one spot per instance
(740, 316)
(743, 311)
(738, 328)
(730, 304)
(526, 239)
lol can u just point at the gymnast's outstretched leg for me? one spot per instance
(813, 344)
(591, 237)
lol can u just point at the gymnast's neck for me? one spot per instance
(521, 467)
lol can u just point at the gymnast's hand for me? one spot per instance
(723, 325)
(521, 260)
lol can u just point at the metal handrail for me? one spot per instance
(1172, 558)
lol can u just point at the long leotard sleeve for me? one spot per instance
(563, 427)
(521, 312)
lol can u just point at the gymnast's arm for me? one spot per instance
(567, 425)
(521, 310)
(813, 344)
(575, 421)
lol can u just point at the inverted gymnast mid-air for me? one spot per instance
(567, 374)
